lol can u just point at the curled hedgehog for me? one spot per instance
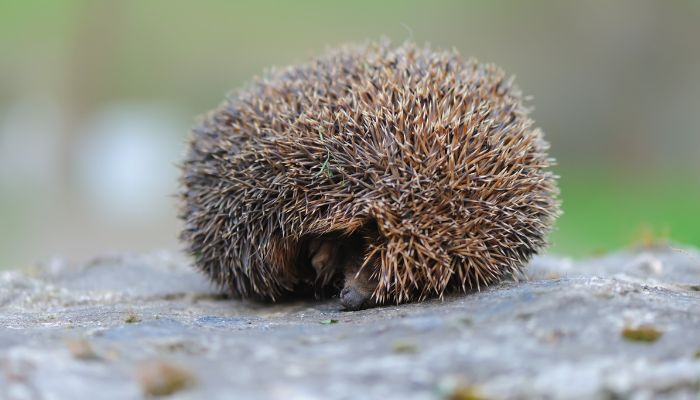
(379, 174)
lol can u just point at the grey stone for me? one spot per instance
(556, 334)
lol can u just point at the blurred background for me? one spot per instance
(96, 99)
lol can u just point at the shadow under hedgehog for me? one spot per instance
(379, 174)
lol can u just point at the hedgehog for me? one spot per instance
(374, 173)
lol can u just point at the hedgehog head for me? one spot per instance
(393, 174)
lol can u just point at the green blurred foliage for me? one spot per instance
(614, 83)
(603, 213)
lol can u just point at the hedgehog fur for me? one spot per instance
(394, 174)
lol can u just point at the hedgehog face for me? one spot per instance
(359, 286)
(336, 256)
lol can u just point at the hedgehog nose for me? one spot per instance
(351, 299)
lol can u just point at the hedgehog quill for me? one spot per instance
(375, 173)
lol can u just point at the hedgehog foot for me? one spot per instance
(325, 259)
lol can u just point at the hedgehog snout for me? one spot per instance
(352, 299)
(360, 283)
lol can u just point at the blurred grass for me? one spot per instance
(592, 95)
(604, 212)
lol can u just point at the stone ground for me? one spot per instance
(625, 325)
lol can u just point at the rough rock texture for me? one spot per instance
(122, 327)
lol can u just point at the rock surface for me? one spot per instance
(625, 325)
